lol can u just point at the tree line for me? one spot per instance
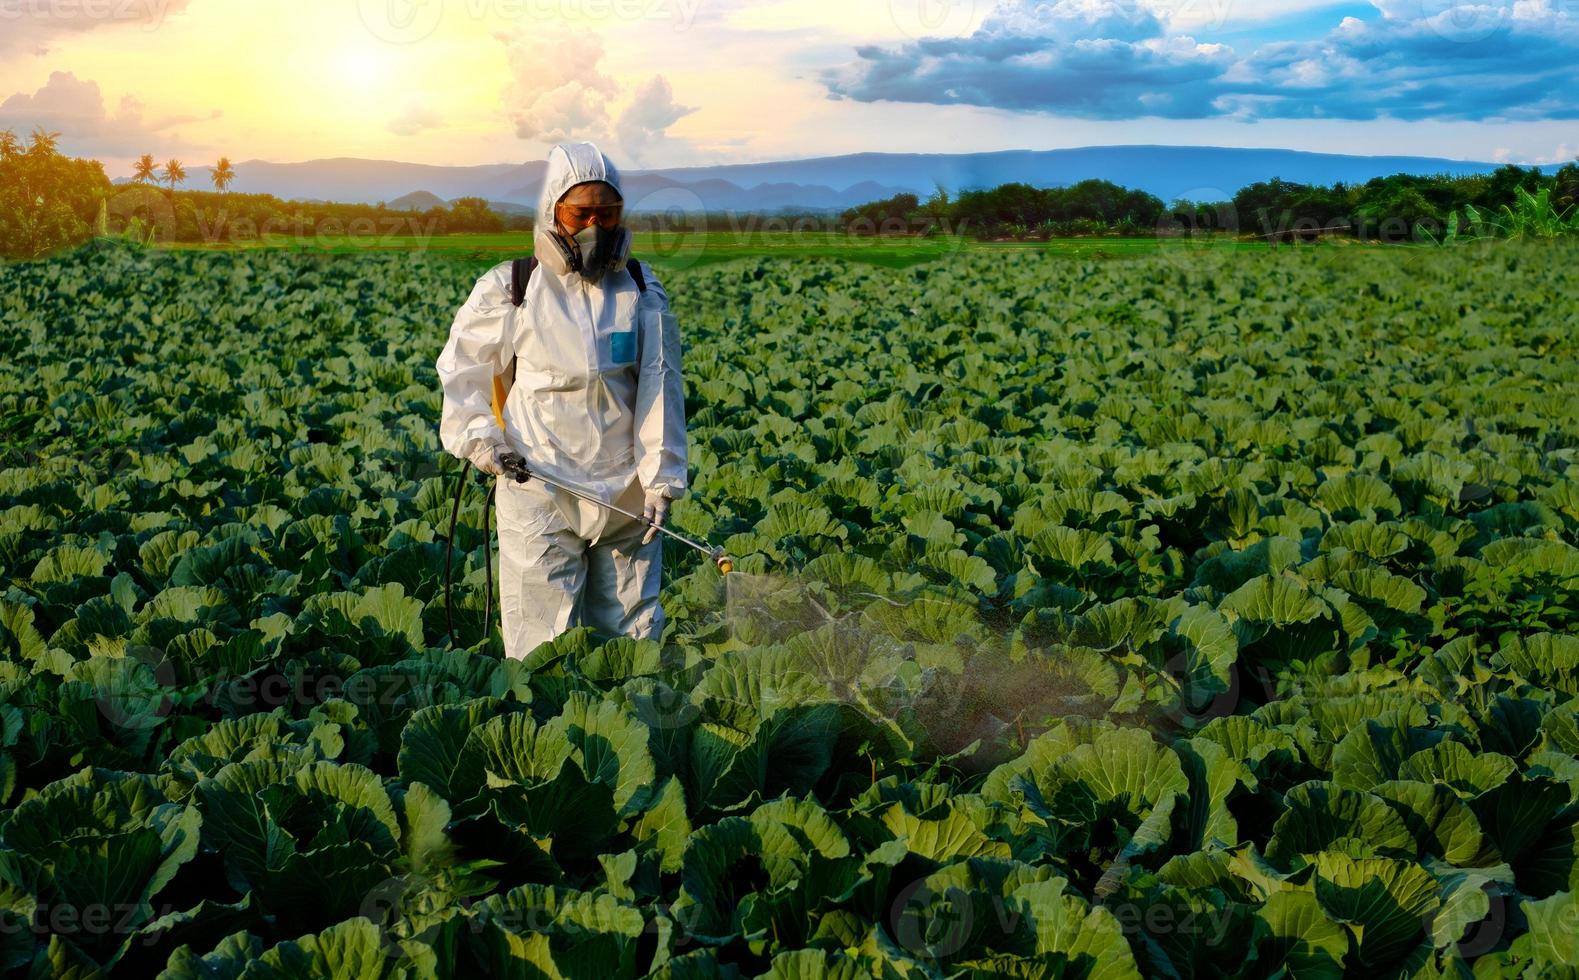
(50, 201)
(1398, 208)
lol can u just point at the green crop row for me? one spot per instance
(1206, 614)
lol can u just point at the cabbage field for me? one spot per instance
(1180, 616)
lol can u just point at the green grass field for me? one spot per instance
(687, 249)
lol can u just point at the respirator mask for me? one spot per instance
(594, 250)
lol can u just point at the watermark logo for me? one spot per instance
(1465, 23)
(931, 925)
(673, 221)
(1481, 937)
(139, 212)
(1182, 14)
(387, 904)
(400, 21)
(134, 696)
(934, 18)
(1201, 223)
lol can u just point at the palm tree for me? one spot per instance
(223, 174)
(174, 173)
(145, 168)
(9, 146)
(43, 142)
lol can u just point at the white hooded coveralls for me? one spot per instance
(597, 403)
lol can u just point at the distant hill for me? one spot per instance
(837, 182)
(416, 201)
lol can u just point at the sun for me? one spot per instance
(359, 68)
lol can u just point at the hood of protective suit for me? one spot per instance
(570, 164)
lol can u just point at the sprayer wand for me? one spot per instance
(515, 469)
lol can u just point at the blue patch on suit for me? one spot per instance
(622, 346)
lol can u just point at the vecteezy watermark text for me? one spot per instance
(150, 13)
(410, 21)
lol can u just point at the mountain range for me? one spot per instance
(1199, 173)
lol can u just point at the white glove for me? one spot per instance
(486, 458)
(655, 512)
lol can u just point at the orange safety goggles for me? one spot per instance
(579, 213)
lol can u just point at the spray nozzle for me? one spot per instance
(725, 563)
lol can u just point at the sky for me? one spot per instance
(661, 83)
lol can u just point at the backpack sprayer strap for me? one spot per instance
(520, 274)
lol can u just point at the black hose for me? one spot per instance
(487, 559)
(449, 551)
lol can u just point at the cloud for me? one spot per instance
(417, 117)
(557, 92)
(75, 108)
(1101, 59)
(644, 122)
(560, 93)
(1564, 154)
(36, 26)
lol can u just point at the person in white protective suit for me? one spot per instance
(597, 403)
